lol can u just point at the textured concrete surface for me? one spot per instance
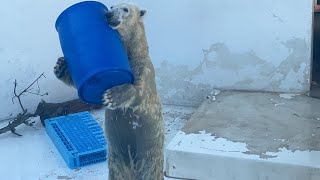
(249, 136)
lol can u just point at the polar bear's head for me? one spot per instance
(124, 16)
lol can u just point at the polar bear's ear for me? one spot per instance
(142, 13)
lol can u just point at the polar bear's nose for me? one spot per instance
(109, 14)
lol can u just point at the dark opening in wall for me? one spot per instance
(315, 83)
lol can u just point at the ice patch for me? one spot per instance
(279, 104)
(206, 143)
(213, 94)
(287, 96)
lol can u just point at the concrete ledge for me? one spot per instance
(201, 156)
(229, 146)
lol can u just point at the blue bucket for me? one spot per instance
(95, 55)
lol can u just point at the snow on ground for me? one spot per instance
(34, 157)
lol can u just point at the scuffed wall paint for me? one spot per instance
(241, 47)
(175, 86)
(195, 46)
(180, 84)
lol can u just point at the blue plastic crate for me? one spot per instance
(79, 139)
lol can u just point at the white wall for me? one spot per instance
(195, 46)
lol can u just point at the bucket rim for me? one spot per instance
(73, 6)
(81, 86)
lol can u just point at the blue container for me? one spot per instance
(79, 139)
(94, 52)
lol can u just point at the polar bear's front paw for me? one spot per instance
(60, 69)
(119, 96)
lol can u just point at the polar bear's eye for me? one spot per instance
(126, 9)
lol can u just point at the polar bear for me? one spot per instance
(133, 119)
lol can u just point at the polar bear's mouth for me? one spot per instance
(113, 23)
